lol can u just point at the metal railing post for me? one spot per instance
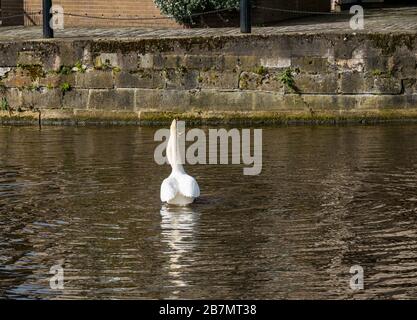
(245, 16)
(47, 15)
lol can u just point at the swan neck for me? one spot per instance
(176, 158)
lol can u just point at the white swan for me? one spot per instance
(179, 188)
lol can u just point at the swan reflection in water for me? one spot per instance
(178, 226)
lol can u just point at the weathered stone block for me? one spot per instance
(110, 59)
(405, 66)
(148, 99)
(170, 61)
(218, 79)
(95, 115)
(145, 78)
(323, 102)
(181, 78)
(175, 100)
(13, 97)
(344, 48)
(222, 100)
(264, 82)
(162, 99)
(272, 82)
(17, 79)
(94, 79)
(379, 85)
(42, 98)
(54, 80)
(351, 82)
(410, 86)
(29, 58)
(274, 101)
(349, 65)
(321, 83)
(310, 64)
(8, 55)
(146, 61)
(204, 62)
(293, 103)
(377, 64)
(128, 61)
(394, 102)
(56, 115)
(231, 62)
(249, 80)
(111, 99)
(70, 53)
(248, 62)
(75, 99)
(276, 62)
(51, 62)
(356, 82)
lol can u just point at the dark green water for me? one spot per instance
(328, 198)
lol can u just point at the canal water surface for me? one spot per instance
(328, 198)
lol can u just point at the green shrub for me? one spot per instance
(182, 10)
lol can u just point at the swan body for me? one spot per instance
(179, 188)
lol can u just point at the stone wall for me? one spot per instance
(301, 76)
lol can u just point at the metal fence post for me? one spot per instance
(245, 16)
(47, 15)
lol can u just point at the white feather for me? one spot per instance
(179, 188)
(169, 189)
(188, 186)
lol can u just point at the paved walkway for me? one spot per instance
(393, 20)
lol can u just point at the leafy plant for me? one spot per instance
(32, 87)
(376, 72)
(182, 10)
(261, 70)
(4, 104)
(287, 78)
(182, 69)
(79, 67)
(65, 70)
(65, 87)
